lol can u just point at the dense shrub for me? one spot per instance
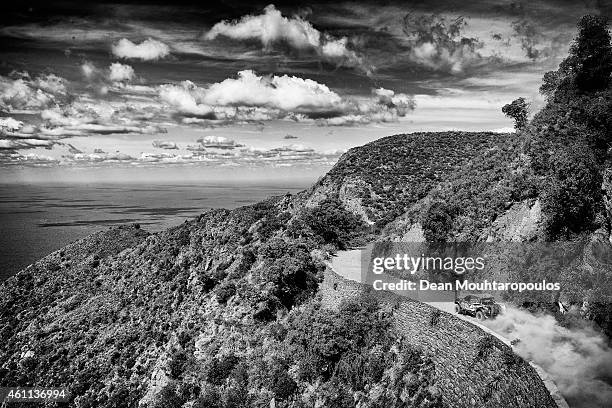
(177, 363)
(225, 291)
(398, 171)
(322, 338)
(330, 221)
(474, 196)
(569, 138)
(209, 398)
(168, 398)
(437, 222)
(221, 368)
(572, 193)
(291, 271)
(281, 383)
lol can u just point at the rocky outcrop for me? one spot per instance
(350, 192)
(519, 224)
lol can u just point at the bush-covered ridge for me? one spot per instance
(222, 310)
(399, 170)
(201, 313)
(184, 315)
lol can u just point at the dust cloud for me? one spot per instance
(579, 360)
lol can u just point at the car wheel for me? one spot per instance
(457, 309)
(480, 315)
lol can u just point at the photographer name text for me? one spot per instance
(485, 285)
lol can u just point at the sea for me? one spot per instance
(38, 219)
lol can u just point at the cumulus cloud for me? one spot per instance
(119, 72)
(344, 120)
(290, 154)
(164, 144)
(27, 94)
(129, 108)
(139, 109)
(297, 148)
(15, 129)
(61, 116)
(100, 157)
(148, 50)
(117, 75)
(251, 97)
(218, 142)
(83, 118)
(10, 124)
(438, 44)
(283, 155)
(579, 360)
(88, 69)
(187, 98)
(12, 157)
(24, 143)
(50, 83)
(271, 28)
(84, 129)
(237, 155)
(76, 120)
(402, 103)
(233, 97)
(288, 93)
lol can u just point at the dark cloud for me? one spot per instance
(72, 149)
(210, 65)
(529, 30)
(439, 44)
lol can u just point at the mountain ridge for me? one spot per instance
(147, 308)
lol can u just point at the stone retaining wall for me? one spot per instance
(474, 369)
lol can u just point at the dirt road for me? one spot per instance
(348, 264)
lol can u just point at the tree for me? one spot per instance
(572, 192)
(517, 110)
(588, 66)
(331, 221)
(550, 83)
(592, 54)
(437, 222)
(570, 137)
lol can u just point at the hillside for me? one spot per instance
(384, 179)
(185, 314)
(226, 309)
(228, 301)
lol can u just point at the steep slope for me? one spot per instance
(395, 179)
(226, 302)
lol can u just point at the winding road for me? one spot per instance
(348, 264)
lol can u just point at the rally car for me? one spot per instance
(480, 307)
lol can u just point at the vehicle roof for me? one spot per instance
(479, 295)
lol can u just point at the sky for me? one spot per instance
(127, 91)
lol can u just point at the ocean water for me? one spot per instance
(38, 219)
